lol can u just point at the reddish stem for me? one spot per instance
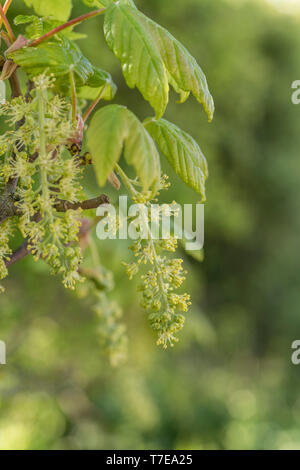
(5, 9)
(93, 105)
(54, 31)
(7, 25)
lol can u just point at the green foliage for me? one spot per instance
(57, 9)
(46, 127)
(114, 128)
(38, 26)
(2, 91)
(43, 179)
(151, 58)
(229, 383)
(97, 3)
(182, 151)
(60, 58)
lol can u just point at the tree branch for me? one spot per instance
(19, 254)
(23, 250)
(63, 206)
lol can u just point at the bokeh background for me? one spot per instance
(229, 383)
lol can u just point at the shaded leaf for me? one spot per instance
(58, 57)
(113, 129)
(182, 152)
(96, 84)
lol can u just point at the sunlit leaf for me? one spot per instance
(152, 59)
(38, 26)
(186, 76)
(139, 55)
(97, 3)
(113, 129)
(182, 152)
(57, 9)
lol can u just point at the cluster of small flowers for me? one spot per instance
(165, 308)
(43, 178)
(111, 329)
(5, 234)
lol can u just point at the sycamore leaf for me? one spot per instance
(152, 58)
(57, 9)
(37, 27)
(182, 152)
(97, 3)
(139, 55)
(99, 82)
(58, 57)
(113, 129)
(185, 75)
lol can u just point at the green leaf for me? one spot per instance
(96, 84)
(114, 128)
(57, 9)
(24, 19)
(58, 57)
(185, 75)
(139, 55)
(97, 3)
(37, 27)
(152, 59)
(182, 152)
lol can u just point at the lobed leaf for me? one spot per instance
(99, 82)
(57, 9)
(60, 58)
(114, 128)
(185, 75)
(182, 152)
(97, 3)
(139, 55)
(38, 26)
(152, 58)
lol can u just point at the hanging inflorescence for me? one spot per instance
(33, 152)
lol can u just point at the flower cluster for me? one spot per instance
(34, 155)
(164, 306)
(112, 332)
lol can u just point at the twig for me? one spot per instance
(54, 31)
(13, 79)
(7, 25)
(63, 206)
(5, 9)
(23, 250)
(74, 97)
(19, 254)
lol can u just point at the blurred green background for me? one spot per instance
(229, 383)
